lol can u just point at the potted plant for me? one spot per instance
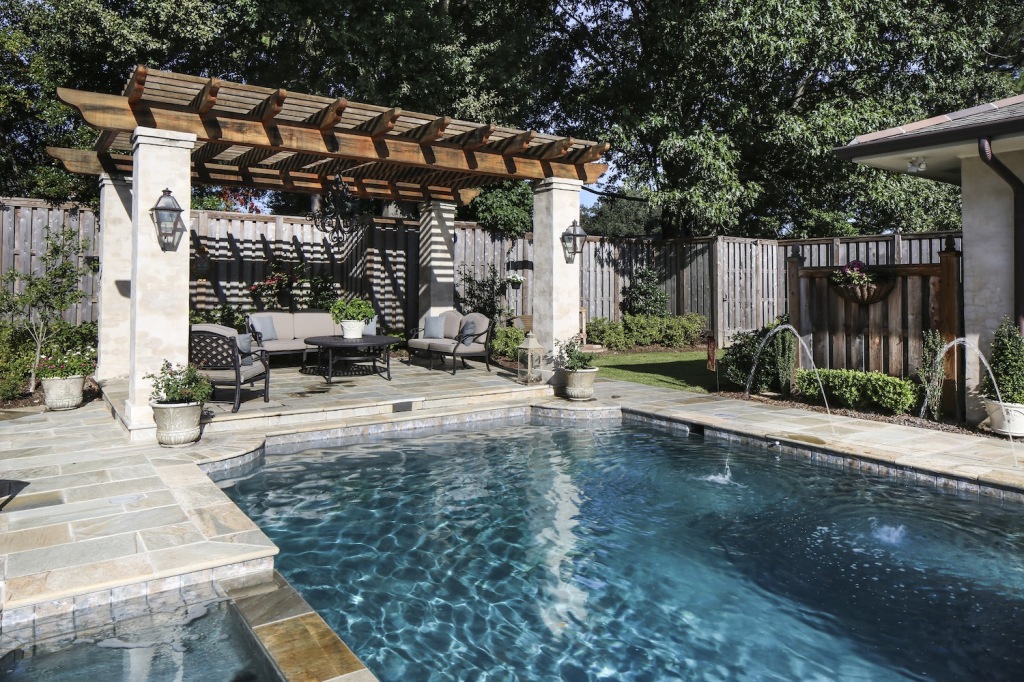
(63, 375)
(179, 392)
(515, 280)
(1004, 399)
(352, 315)
(578, 367)
(279, 285)
(854, 283)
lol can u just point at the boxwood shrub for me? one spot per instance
(859, 390)
(676, 331)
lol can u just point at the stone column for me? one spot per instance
(556, 291)
(987, 262)
(115, 276)
(159, 279)
(437, 259)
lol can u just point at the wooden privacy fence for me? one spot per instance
(25, 223)
(738, 284)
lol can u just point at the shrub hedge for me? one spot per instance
(859, 390)
(505, 342)
(677, 331)
(774, 366)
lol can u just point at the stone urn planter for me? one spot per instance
(176, 423)
(1006, 419)
(579, 383)
(63, 393)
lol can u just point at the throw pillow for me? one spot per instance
(468, 331)
(433, 328)
(245, 347)
(265, 326)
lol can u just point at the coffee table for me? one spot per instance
(372, 349)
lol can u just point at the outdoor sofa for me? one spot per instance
(281, 332)
(454, 335)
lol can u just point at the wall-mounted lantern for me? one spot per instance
(167, 218)
(573, 240)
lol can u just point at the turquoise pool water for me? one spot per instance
(543, 552)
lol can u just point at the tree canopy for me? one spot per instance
(723, 114)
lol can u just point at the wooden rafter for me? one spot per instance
(104, 141)
(382, 124)
(136, 85)
(588, 154)
(253, 156)
(428, 132)
(208, 152)
(550, 151)
(330, 115)
(110, 112)
(471, 139)
(513, 144)
(270, 107)
(207, 97)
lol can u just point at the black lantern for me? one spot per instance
(573, 240)
(166, 216)
(339, 214)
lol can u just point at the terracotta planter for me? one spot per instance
(1005, 418)
(865, 294)
(579, 383)
(63, 393)
(177, 423)
(352, 329)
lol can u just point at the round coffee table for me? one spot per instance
(372, 349)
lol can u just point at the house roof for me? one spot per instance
(274, 139)
(941, 140)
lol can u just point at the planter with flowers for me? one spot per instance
(856, 284)
(515, 280)
(1004, 397)
(179, 392)
(578, 367)
(352, 315)
(63, 377)
(278, 287)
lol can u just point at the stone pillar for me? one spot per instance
(159, 279)
(437, 259)
(556, 291)
(115, 276)
(987, 262)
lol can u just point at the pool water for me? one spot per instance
(544, 552)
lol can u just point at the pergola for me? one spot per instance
(174, 130)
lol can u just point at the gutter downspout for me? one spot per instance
(1017, 185)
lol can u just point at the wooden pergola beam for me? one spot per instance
(381, 124)
(270, 107)
(136, 85)
(110, 112)
(513, 144)
(207, 152)
(206, 100)
(472, 139)
(550, 151)
(253, 156)
(330, 115)
(588, 154)
(88, 162)
(104, 141)
(428, 132)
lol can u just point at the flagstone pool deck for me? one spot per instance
(104, 519)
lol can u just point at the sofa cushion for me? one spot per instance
(442, 345)
(245, 347)
(420, 344)
(433, 328)
(314, 323)
(452, 322)
(264, 326)
(285, 346)
(228, 375)
(460, 349)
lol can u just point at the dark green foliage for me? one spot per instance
(613, 217)
(775, 364)
(1006, 358)
(931, 375)
(644, 295)
(859, 390)
(505, 342)
(227, 315)
(322, 293)
(16, 353)
(180, 384)
(571, 357)
(678, 331)
(483, 295)
(505, 209)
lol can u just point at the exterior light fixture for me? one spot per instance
(573, 240)
(339, 214)
(916, 164)
(530, 356)
(167, 218)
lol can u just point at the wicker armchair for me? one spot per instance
(214, 350)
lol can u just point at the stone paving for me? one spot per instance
(106, 519)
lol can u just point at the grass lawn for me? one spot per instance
(685, 371)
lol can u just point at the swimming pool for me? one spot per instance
(629, 553)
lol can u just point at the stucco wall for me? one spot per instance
(987, 262)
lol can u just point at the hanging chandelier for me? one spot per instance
(340, 213)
